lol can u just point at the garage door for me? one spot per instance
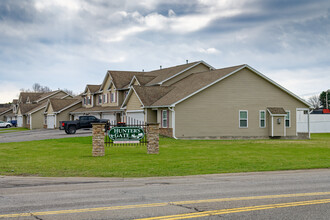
(135, 117)
(19, 121)
(111, 117)
(51, 121)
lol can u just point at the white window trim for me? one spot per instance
(247, 118)
(166, 119)
(260, 118)
(288, 111)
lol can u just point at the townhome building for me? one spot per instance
(197, 101)
(105, 100)
(31, 107)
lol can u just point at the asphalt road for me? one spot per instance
(303, 194)
(39, 134)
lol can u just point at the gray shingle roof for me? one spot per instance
(277, 110)
(59, 104)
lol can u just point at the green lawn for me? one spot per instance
(73, 157)
(12, 129)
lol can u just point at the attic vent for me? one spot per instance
(160, 67)
(187, 61)
(142, 70)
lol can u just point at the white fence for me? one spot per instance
(319, 123)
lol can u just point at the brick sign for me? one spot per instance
(122, 135)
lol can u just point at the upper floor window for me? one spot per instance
(112, 96)
(104, 98)
(287, 119)
(100, 99)
(243, 118)
(84, 100)
(262, 119)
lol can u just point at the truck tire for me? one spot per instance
(8, 126)
(66, 131)
(72, 130)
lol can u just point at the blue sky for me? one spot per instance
(68, 44)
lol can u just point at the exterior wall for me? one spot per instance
(121, 97)
(133, 103)
(151, 116)
(278, 128)
(106, 92)
(159, 117)
(65, 115)
(37, 119)
(50, 109)
(88, 94)
(199, 68)
(214, 112)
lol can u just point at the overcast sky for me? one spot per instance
(68, 44)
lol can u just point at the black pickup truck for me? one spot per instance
(70, 127)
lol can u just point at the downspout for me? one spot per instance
(173, 121)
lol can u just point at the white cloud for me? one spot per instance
(8, 92)
(210, 50)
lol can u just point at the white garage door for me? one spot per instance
(19, 121)
(110, 117)
(51, 121)
(135, 117)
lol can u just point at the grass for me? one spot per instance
(73, 157)
(12, 129)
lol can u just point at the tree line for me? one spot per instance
(36, 87)
(318, 101)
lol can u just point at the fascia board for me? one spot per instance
(278, 85)
(57, 91)
(207, 86)
(47, 105)
(104, 80)
(31, 112)
(160, 106)
(126, 98)
(132, 80)
(129, 95)
(1, 113)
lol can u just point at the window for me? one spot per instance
(262, 119)
(164, 119)
(100, 99)
(45, 120)
(243, 119)
(104, 98)
(287, 119)
(111, 97)
(84, 100)
(28, 119)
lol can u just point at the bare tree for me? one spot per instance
(314, 101)
(36, 87)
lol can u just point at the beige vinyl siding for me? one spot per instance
(136, 83)
(37, 119)
(214, 112)
(159, 117)
(106, 92)
(133, 103)
(112, 90)
(50, 109)
(151, 116)
(121, 97)
(278, 128)
(88, 94)
(199, 68)
(64, 115)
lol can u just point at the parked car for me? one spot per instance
(13, 122)
(4, 124)
(70, 127)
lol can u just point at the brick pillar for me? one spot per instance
(98, 139)
(153, 138)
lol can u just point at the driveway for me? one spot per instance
(40, 134)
